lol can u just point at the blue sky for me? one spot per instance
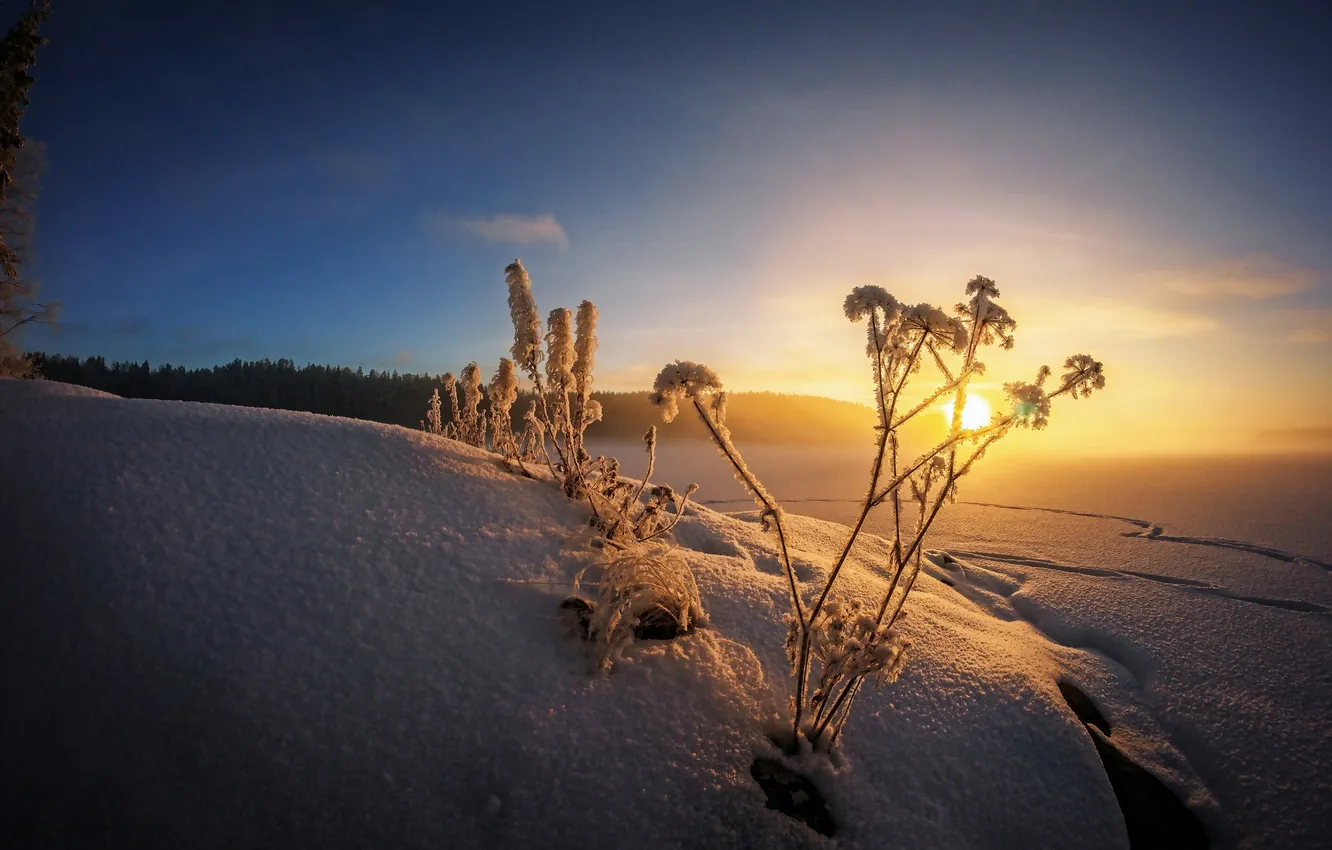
(344, 182)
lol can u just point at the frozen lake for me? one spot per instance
(1282, 501)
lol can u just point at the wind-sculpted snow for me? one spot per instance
(226, 627)
(1235, 683)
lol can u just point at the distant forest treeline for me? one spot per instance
(397, 398)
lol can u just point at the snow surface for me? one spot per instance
(226, 627)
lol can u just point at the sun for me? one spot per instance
(975, 412)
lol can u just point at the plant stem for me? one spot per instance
(825, 717)
(771, 509)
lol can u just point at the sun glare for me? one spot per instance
(975, 412)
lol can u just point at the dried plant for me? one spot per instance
(850, 643)
(563, 408)
(451, 390)
(503, 393)
(619, 509)
(433, 423)
(471, 421)
(645, 589)
(585, 409)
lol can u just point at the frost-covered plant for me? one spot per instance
(543, 421)
(646, 586)
(471, 422)
(433, 423)
(526, 348)
(619, 509)
(562, 410)
(840, 645)
(559, 374)
(585, 409)
(451, 390)
(533, 446)
(851, 644)
(643, 583)
(503, 393)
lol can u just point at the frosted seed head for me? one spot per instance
(560, 348)
(591, 412)
(585, 346)
(1031, 405)
(864, 300)
(526, 348)
(1084, 374)
(504, 385)
(933, 323)
(682, 379)
(981, 286)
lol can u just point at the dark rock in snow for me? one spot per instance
(793, 795)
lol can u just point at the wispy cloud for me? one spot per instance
(1307, 435)
(1309, 326)
(1131, 321)
(1256, 278)
(510, 229)
(1311, 336)
(399, 358)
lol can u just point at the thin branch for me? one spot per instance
(932, 453)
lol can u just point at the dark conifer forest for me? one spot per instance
(401, 398)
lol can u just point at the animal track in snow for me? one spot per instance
(1148, 530)
(1184, 583)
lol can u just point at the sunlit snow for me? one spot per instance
(226, 627)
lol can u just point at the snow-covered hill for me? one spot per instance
(225, 627)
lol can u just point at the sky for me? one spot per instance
(344, 183)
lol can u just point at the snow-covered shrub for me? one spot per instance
(645, 590)
(842, 645)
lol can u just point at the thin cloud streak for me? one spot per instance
(1258, 278)
(519, 229)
